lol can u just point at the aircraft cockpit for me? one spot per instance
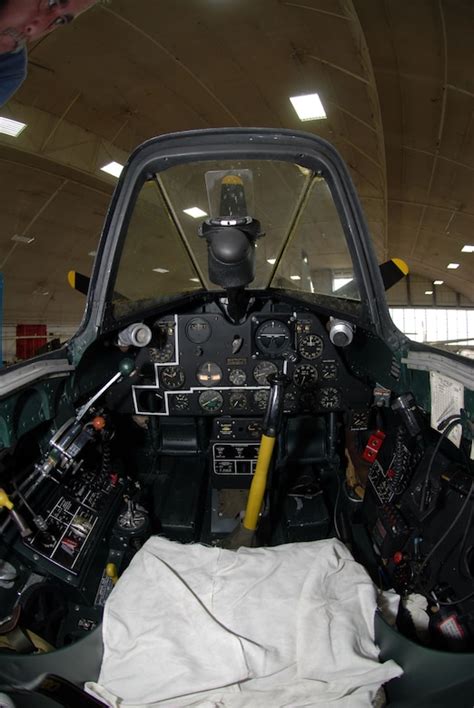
(236, 381)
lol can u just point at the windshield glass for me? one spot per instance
(303, 246)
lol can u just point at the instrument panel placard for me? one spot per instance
(234, 458)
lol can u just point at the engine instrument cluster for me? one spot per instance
(206, 366)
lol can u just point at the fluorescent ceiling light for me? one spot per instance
(308, 107)
(452, 266)
(428, 292)
(438, 282)
(11, 127)
(295, 277)
(194, 280)
(92, 254)
(160, 270)
(113, 168)
(467, 249)
(272, 261)
(23, 239)
(195, 212)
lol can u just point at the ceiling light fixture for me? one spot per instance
(160, 270)
(11, 127)
(194, 280)
(113, 168)
(92, 254)
(272, 261)
(467, 249)
(452, 266)
(308, 107)
(23, 239)
(295, 277)
(428, 292)
(195, 212)
(438, 282)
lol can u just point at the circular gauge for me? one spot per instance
(273, 337)
(310, 346)
(198, 330)
(238, 401)
(209, 374)
(305, 375)
(263, 370)
(172, 376)
(329, 397)
(328, 370)
(260, 399)
(162, 355)
(211, 401)
(180, 402)
(290, 402)
(237, 376)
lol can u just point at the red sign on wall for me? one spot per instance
(29, 338)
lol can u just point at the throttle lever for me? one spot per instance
(126, 367)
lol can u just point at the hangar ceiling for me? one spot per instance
(395, 79)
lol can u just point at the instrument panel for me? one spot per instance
(204, 365)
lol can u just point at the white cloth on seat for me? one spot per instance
(191, 625)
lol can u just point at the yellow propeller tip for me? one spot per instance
(401, 265)
(71, 279)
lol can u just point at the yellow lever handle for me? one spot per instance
(5, 502)
(111, 572)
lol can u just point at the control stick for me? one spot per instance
(271, 426)
(245, 534)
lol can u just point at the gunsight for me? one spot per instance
(231, 237)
